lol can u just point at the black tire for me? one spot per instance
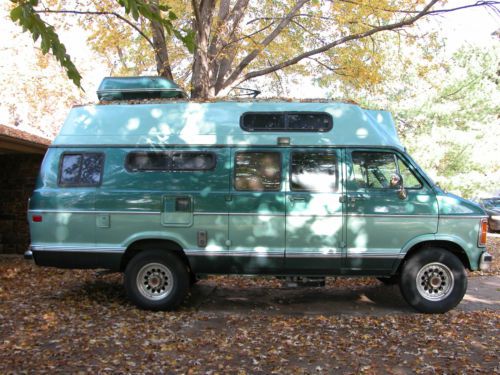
(390, 280)
(433, 280)
(164, 280)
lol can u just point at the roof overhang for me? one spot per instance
(17, 141)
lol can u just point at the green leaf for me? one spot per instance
(188, 38)
(172, 16)
(24, 14)
(16, 13)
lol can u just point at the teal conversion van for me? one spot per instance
(168, 190)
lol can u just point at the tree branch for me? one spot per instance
(100, 14)
(328, 67)
(252, 55)
(326, 47)
(486, 3)
(246, 36)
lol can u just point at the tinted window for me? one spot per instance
(263, 121)
(257, 171)
(83, 169)
(309, 121)
(286, 121)
(192, 161)
(170, 161)
(314, 171)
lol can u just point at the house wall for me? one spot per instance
(18, 174)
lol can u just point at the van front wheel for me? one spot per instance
(156, 280)
(433, 281)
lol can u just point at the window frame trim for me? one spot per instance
(130, 170)
(81, 153)
(285, 121)
(328, 152)
(280, 154)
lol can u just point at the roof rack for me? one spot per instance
(143, 87)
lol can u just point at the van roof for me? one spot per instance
(188, 122)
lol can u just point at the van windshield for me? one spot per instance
(493, 203)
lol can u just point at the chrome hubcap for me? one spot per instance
(154, 281)
(435, 281)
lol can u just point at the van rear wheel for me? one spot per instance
(433, 280)
(156, 280)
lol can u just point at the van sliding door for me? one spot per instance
(314, 219)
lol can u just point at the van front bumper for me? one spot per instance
(485, 261)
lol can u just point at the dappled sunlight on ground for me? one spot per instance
(70, 321)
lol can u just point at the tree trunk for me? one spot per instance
(202, 74)
(160, 46)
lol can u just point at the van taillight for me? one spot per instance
(37, 218)
(483, 230)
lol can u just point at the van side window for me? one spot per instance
(170, 161)
(286, 121)
(263, 121)
(373, 170)
(193, 161)
(410, 181)
(319, 122)
(314, 171)
(257, 171)
(81, 169)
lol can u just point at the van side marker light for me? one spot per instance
(37, 218)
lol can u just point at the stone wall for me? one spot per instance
(18, 174)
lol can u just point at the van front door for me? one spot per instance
(380, 222)
(314, 220)
(257, 211)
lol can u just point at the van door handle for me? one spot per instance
(297, 198)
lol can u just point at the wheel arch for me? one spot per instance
(450, 246)
(155, 243)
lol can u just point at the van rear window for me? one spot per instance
(286, 121)
(81, 169)
(170, 161)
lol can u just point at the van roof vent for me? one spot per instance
(128, 88)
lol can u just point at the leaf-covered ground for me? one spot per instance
(74, 321)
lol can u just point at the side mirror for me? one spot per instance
(402, 193)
